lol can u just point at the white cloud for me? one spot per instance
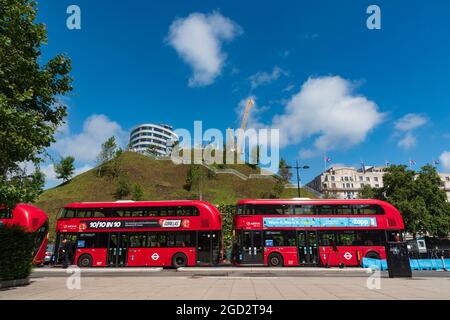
(410, 122)
(261, 78)
(404, 128)
(327, 108)
(445, 160)
(409, 141)
(198, 40)
(85, 146)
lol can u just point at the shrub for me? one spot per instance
(16, 253)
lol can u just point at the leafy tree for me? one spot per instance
(151, 151)
(109, 150)
(194, 179)
(65, 168)
(284, 172)
(366, 192)
(418, 197)
(30, 112)
(123, 189)
(137, 193)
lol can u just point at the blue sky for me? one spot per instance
(371, 95)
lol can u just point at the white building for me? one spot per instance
(346, 182)
(159, 136)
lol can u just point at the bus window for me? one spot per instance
(137, 213)
(86, 240)
(98, 213)
(69, 213)
(152, 212)
(344, 209)
(5, 214)
(138, 240)
(303, 209)
(327, 238)
(153, 240)
(325, 209)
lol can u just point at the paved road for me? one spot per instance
(229, 284)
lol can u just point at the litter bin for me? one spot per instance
(397, 257)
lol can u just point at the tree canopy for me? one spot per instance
(30, 111)
(419, 198)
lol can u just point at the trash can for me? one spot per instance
(397, 258)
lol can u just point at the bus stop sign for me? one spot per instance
(398, 260)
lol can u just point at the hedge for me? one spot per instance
(16, 253)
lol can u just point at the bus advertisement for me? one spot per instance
(299, 232)
(127, 233)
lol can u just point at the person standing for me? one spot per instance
(67, 248)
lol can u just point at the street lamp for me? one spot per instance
(297, 168)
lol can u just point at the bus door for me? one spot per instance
(117, 250)
(252, 247)
(307, 247)
(208, 247)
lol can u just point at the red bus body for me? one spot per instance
(126, 240)
(311, 238)
(33, 220)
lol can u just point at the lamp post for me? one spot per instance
(297, 168)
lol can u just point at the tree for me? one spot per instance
(65, 168)
(122, 190)
(137, 193)
(366, 192)
(284, 172)
(419, 199)
(108, 151)
(194, 179)
(151, 151)
(30, 112)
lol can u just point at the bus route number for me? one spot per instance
(251, 309)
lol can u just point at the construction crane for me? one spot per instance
(249, 105)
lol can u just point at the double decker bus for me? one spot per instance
(131, 234)
(31, 219)
(303, 232)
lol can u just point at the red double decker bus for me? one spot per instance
(31, 219)
(300, 232)
(132, 234)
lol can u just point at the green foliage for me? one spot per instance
(418, 197)
(30, 111)
(65, 168)
(16, 253)
(284, 172)
(137, 193)
(228, 212)
(194, 178)
(151, 151)
(123, 189)
(366, 192)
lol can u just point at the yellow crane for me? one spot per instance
(233, 145)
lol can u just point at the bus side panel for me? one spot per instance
(350, 256)
(158, 257)
(98, 256)
(289, 254)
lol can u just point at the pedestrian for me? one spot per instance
(67, 248)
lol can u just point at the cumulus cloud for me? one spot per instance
(404, 128)
(409, 141)
(445, 160)
(410, 122)
(262, 78)
(198, 40)
(86, 145)
(327, 109)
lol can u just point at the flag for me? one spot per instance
(412, 162)
(387, 163)
(363, 166)
(327, 159)
(436, 162)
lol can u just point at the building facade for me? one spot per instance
(346, 182)
(156, 137)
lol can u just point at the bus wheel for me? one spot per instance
(85, 261)
(275, 260)
(372, 255)
(179, 260)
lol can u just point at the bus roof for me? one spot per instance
(130, 203)
(310, 201)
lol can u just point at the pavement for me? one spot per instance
(228, 283)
